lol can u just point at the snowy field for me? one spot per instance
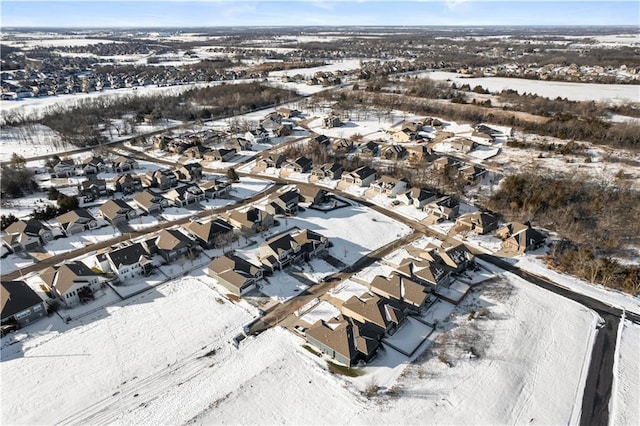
(616, 93)
(29, 141)
(514, 380)
(180, 328)
(624, 406)
(248, 187)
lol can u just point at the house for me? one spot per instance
(191, 172)
(27, 235)
(116, 211)
(393, 152)
(272, 160)
(362, 176)
(127, 184)
(257, 136)
(72, 282)
(185, 195)
(131, 261)
(93, 165)
(123, 164)
(417, 197)
(342, 146)
(285, 203)
(284, 129)
(374, 312)
(288, 113)
(425, 272)
(477, 222)
(221, 154)
(238, 144)
(457, 258)
(471, 173)
(389, 186)
(299, 165)
(63, 168)
(331, 171)
(75, 221)
(444, 164)
(463, 145)
(216, 188)
(162, 179)
(444, 208)
(312, 194)
(331, 121)
(418, 153)
(94, 188)
(343, 339)
(210, 234)
(520, 237)
(20, 304)
(404, 135)
(196, 152)
(494, 131)
(284, 249)
(271, 121)
(408, 293)
(237, 275)
(321, 141)
(150, 202)
(369, 149)
(172, 244)
(251, 221)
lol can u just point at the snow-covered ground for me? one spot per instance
(158, 373)
(248, 187)
(624, 406)
(616, 93)
(30, 140)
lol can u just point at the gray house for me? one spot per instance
(20, 304)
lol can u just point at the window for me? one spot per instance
(21, 315)
(37, 308)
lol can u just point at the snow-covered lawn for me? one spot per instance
(323, 311)
(175, 213)
(316, 269)
(142, 222)
(514, 380)
(248, 187)
(83, 239)
(624, 406)
(145, 342)
(368, 274)
(24, 206)
(410, 336)
(14, 262)
(437, 312)
(281, 286)
(346, 289)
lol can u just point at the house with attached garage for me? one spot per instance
(471, 173)
(272, 160)
(299, 165)
(374, 313)
(251, 220)
(322, 141)
(162, 179)
(288, 248)
(131, 261)
(116, 211)
(342, 146)
(238, 144)
(150, 202)
(191, 172)
(257, 136)
(457, 258)
(75, 221)
(331, 121)
(407, 294)
(234, 273)
(95, 188)
(404, 135)
(463, 145)
(312, 194)
(393, 152)
(123, 164)
(172, 244)
(63, 168)
(26, 235)
(285, 203)
(369, 149)
(331, 171)
(217, 188)
(444, 208)
(362, 176)
(520, 237)
(20, 304)
(185, 195)
(417, 197)
(94, 165)
(426, 272)
(443, 164)
(72, 282)
(220, 154)
(389, 186)
(127, 184)
(344, 340)
(477, 222)
(210, 234)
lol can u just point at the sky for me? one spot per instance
(213, 13)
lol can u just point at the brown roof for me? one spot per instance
(171, 239)
(112, 208)
(373, 309)
(400, 288)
